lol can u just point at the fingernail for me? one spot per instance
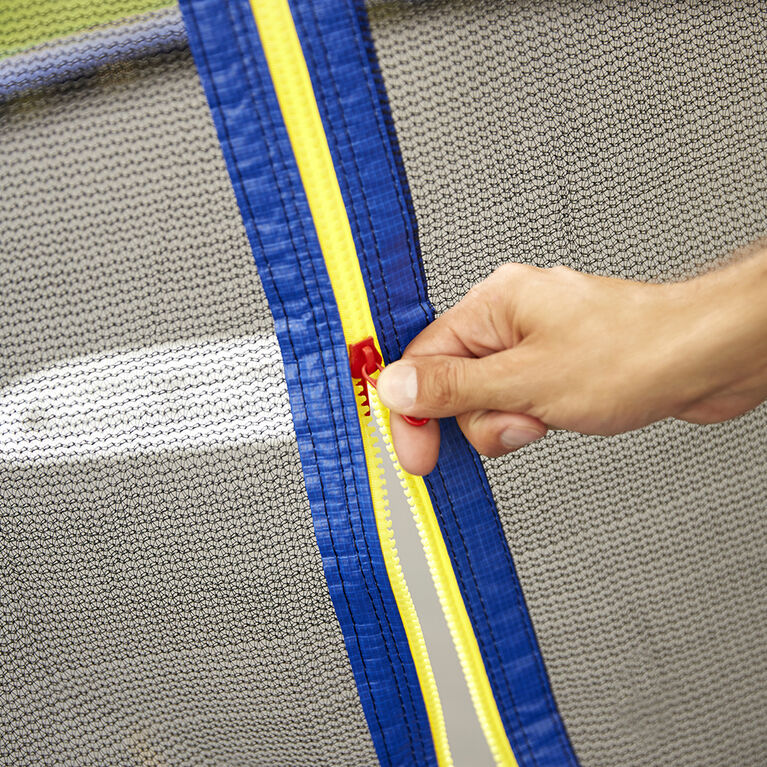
(398, 386)
(514, 437)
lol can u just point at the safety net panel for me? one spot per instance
(163, 598)
(625, 139)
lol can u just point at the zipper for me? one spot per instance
(372, 411)
(367, 405)
(292, 85)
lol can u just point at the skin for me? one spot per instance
(532, 349)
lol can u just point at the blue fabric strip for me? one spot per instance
(231, 64)
(353, 106)
(84, 53)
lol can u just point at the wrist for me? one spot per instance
(718, 339)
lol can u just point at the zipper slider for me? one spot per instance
(365, 360)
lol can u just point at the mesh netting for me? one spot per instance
(623, 139)
(162, 594)
(24, 24)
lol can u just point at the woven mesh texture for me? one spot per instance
(162, 599)
(630, 141)
(24, 23)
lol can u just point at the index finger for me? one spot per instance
(448, 335)
(474, 327)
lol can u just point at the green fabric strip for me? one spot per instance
(24, 24)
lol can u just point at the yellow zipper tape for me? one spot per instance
(295, 95)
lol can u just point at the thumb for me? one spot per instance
(443, 386)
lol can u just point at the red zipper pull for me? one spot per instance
(366, 360)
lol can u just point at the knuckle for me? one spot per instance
(512, 271)
(564, 273)
(516, 277)
(476, 293)
(500, 280)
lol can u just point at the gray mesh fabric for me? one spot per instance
(162, 599)
(624, 139)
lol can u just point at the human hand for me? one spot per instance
(530, 349)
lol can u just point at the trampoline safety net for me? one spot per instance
(181, 579)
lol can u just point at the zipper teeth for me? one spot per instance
(442, 575)
(412, 624)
